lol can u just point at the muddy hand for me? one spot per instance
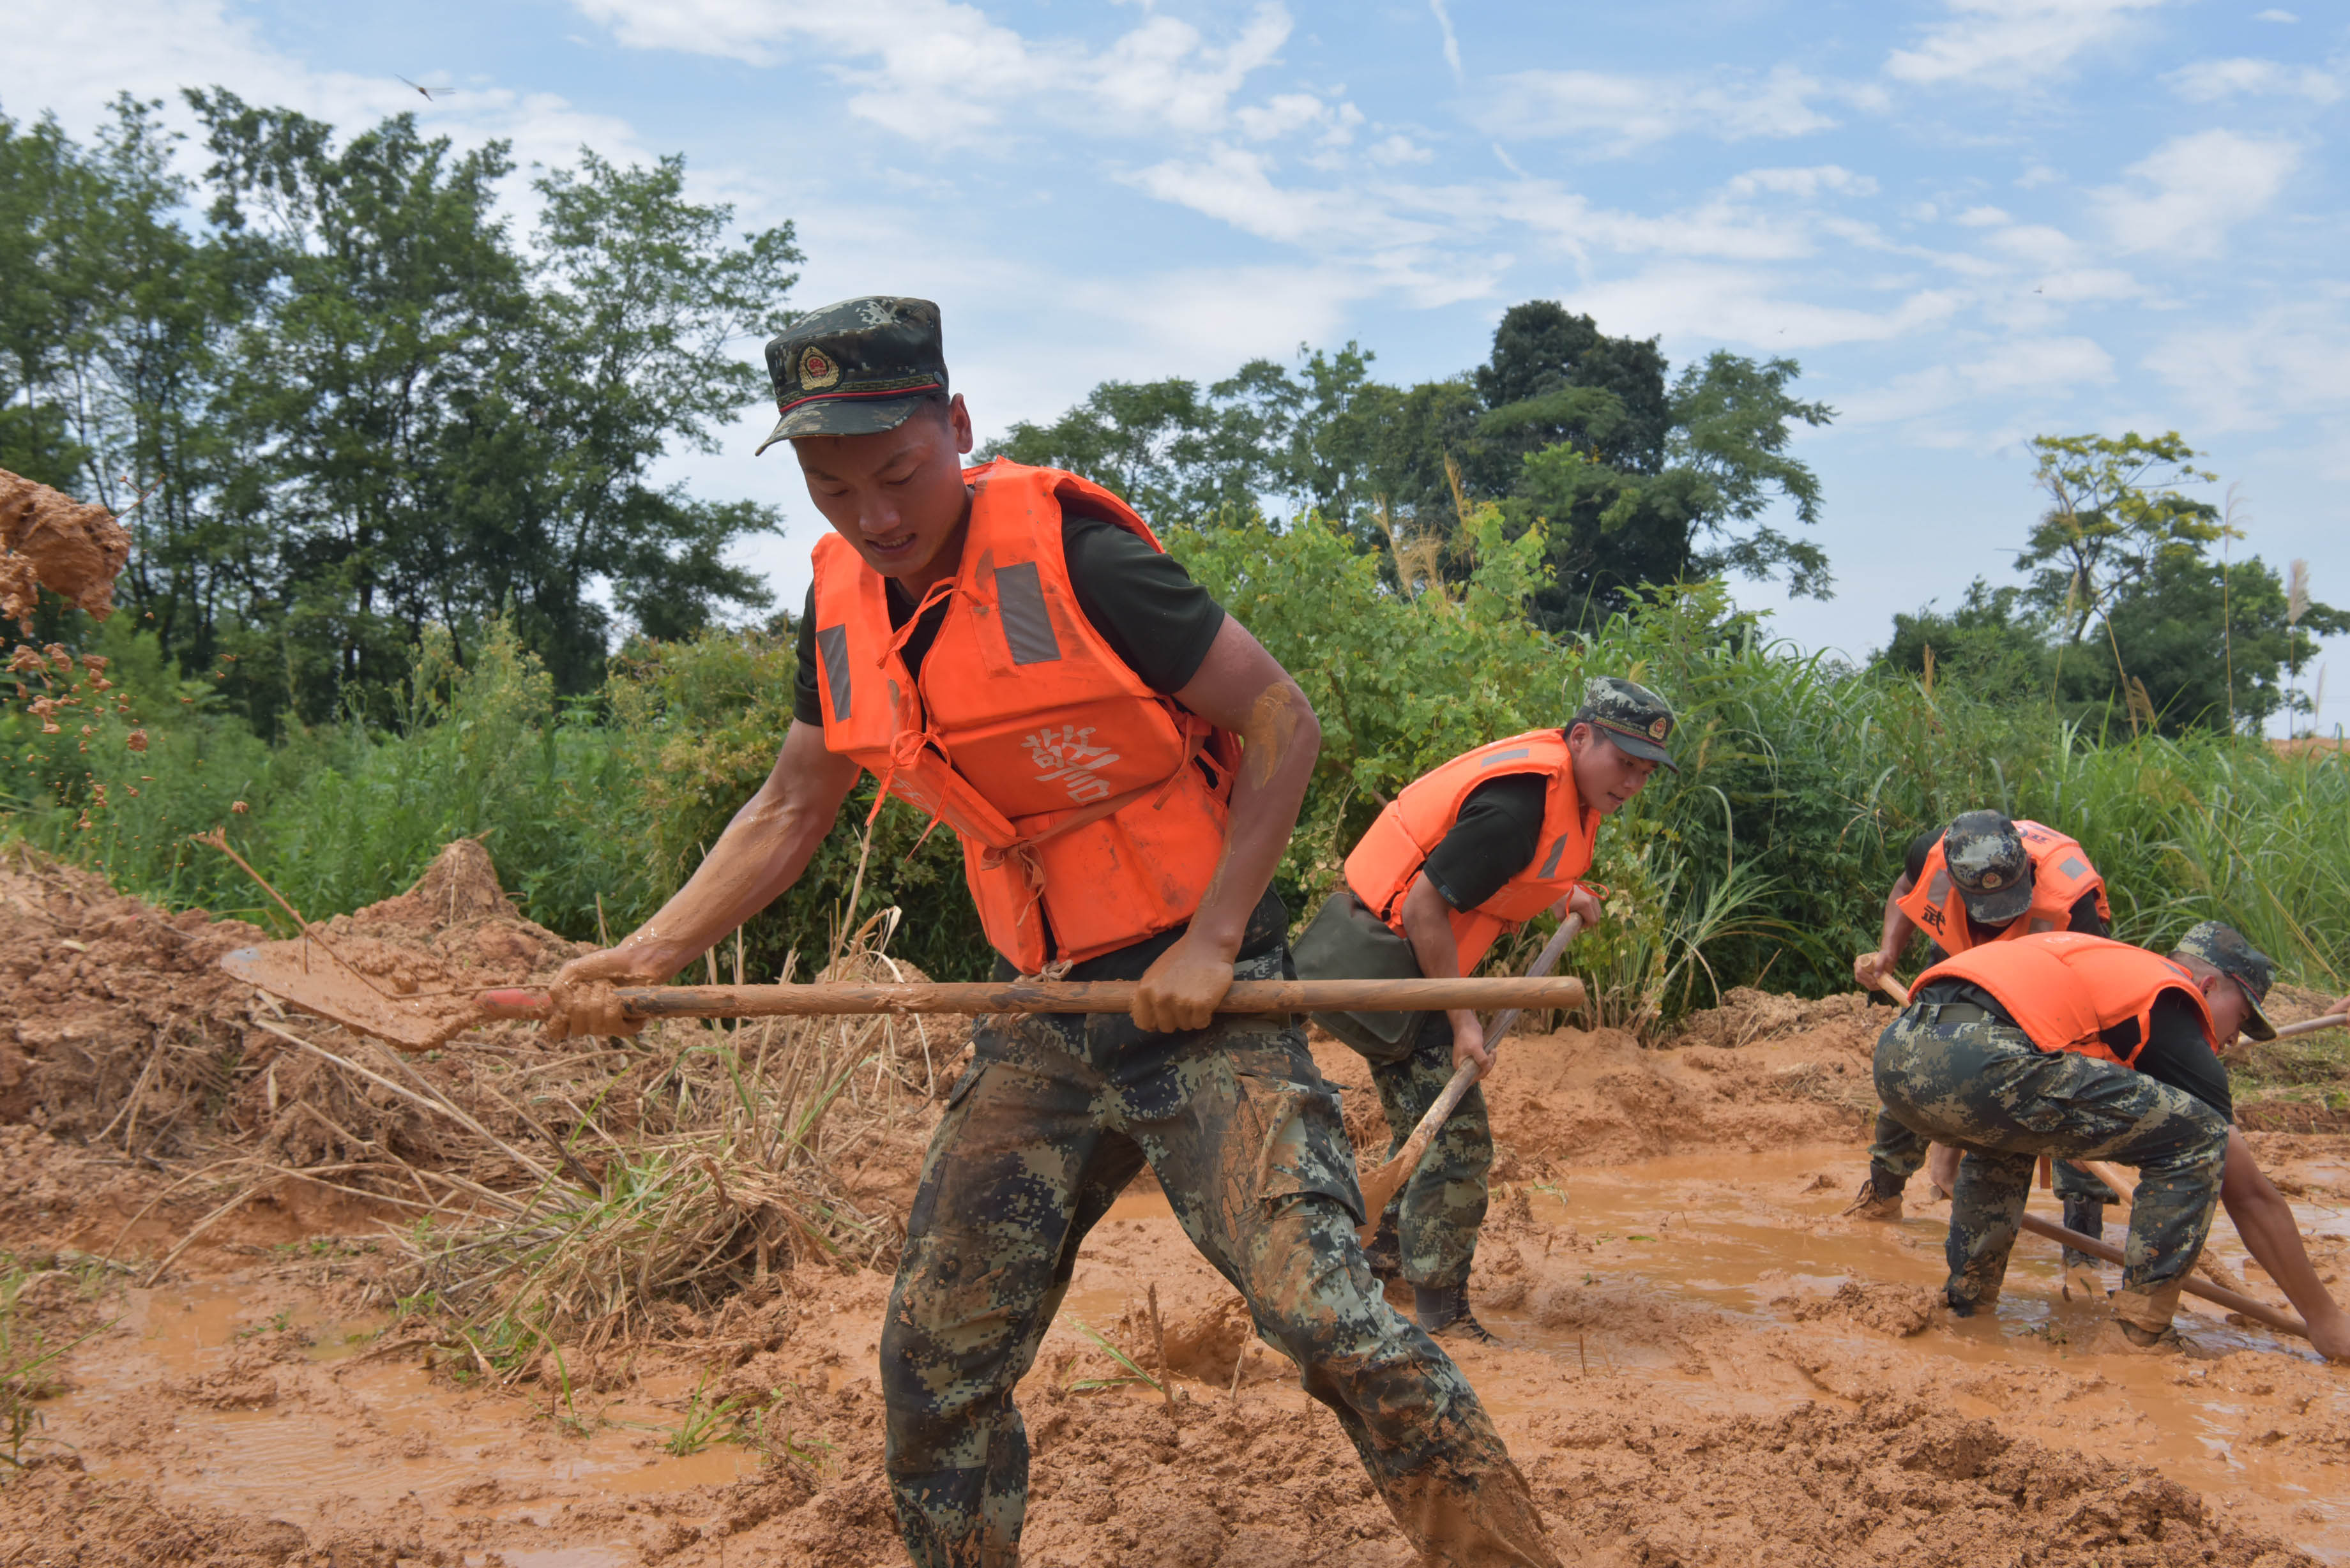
(582, 998)
(1180, 991)
(1468, 1044)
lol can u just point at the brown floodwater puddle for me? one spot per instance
(345, 1429)
(1734, 1234)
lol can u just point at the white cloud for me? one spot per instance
(2282, 364)
(1980, 218)
(1743, 305)
(1398, 150)
(2208, 82)
(2182, 198)
(2012, 43)
(2272, 15)
(1818, 180)
(940, 68)
(2039, 365)
(1452, 40)
(1621, 113)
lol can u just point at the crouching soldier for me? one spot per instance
(1985, 879)
(1009, 650)
(1464, 854)
(2078, 1047)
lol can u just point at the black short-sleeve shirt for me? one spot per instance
(1141, 602)
(1493, 838)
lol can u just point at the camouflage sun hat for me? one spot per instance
(856, 367)
(1633, 717)
(2224, 948)
(1989, 866)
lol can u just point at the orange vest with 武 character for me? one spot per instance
(1091, 809)
(1386, 862)
(2064, 989)
(2061, 873)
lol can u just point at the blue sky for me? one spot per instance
(1972, 221)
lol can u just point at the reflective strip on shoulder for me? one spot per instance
(1550, 867)
(1512, 754)
(1028, 627)
(2073, 867)
(1938, 888)
(832, 652)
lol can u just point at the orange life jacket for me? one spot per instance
(1386, 862)
(2061, 873)
(2064, 989)
(1088, 822)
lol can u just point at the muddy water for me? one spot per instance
(1733, 1239)
(309, 1425)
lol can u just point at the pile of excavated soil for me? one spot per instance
(49, 540)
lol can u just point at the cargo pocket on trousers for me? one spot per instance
(918, 1217)
(1305, 1151)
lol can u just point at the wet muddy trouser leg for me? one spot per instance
(1439, 1210)
(1053, 1118)
(1895, 1155)
(1987, 1088)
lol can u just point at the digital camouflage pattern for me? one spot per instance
(1435, 1216)
(1989, 866)
(1634, 718)
(1054, 1117)
(1984, 1086)
(1898, 1154)
(2225, 950)
(855, 367)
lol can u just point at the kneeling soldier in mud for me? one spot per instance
(1468, 851)
(1009, 650)
(1986, 878)
(2079, 1047)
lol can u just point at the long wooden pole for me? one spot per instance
(1380, 1187)
(2218, 1296)
(1049, 996)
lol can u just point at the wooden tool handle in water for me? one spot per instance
(1247, 996)
(2283, 1322)
(1381, 1185)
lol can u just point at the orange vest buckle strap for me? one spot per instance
(2065, 988)
(1091, 809)
(2061, 873)
(1383, 867)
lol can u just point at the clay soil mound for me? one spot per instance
(47, 539)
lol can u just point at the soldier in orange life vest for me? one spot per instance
(1008, 650)
(1464, 854)
(2079, 1047)
(1986, 878)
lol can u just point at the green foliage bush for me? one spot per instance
(1765, 859)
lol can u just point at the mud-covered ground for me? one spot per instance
(1700, 1362)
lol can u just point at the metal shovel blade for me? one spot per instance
(310, 978)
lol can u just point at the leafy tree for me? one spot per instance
(1992, 644)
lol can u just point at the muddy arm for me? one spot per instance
(2264, 1219)
(762, 853)
(1869, 968)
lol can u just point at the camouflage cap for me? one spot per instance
(1636, 718)
(855, 367)
(2224, 948)
(1989, 866)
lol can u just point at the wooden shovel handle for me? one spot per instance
(2311, 1025)
(1247, 996)
(2283, 1322)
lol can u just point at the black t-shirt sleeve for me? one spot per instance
(1920, 847)
(1143, 603)
(2177, 1052)
(2085, 918)
(1493, 839)
(807, 706)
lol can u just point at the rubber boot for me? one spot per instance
(2082, 1276)
(1879, 1197)
(1444, 1313)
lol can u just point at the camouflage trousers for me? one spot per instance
(1985, 1087)
(1896, 1155)
(1054, 1117)
(1437, 1214)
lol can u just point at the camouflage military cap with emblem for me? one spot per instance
(856, 367)
(1989, 866)
(2223, 948)
(1636, 718)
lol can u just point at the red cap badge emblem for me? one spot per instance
(819, 370)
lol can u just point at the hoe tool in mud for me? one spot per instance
(2217, 1295)
(1380, 1187)
(317, 983)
